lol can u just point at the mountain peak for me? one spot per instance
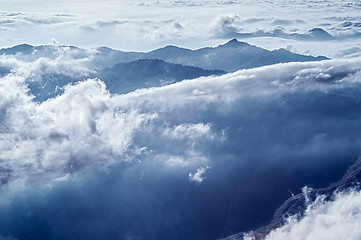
(320, 33)
(234, 43)
(171, 47)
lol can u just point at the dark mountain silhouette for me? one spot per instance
(126, 77)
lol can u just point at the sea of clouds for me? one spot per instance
(194, 159)
(199, 159)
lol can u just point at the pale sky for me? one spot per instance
(149, 24)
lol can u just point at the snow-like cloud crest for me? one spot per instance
(243, 84)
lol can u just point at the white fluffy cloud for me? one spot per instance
(61, 60)
(66, 134)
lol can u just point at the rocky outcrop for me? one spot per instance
(297, 204)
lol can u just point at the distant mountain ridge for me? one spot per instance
(126, 71)
(231, 56)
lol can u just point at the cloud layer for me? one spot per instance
(199, 159)
(177, 152)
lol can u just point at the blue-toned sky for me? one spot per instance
(198, 159)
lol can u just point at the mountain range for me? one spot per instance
(126, 71)
(231, 56)
(126, 77)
